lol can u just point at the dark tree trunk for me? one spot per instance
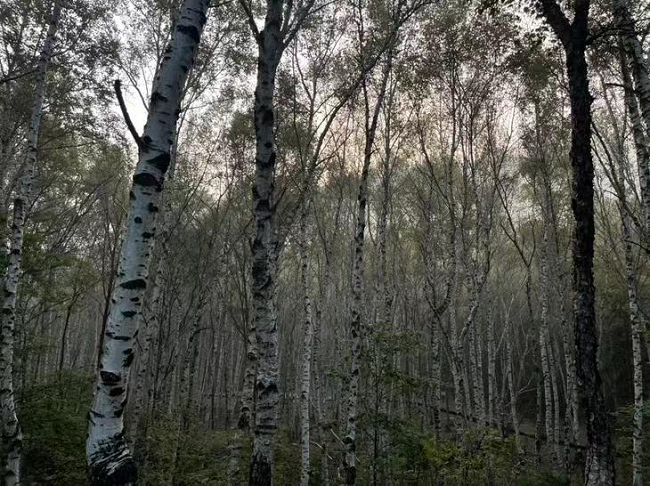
(264, 251)
(599, 466)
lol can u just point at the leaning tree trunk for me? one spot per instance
(636, 56)
(108, 455)
(632, 59)
(11, 431)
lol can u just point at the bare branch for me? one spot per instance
(120, 99)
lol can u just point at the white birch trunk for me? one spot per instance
(477, 377)
(638, 71)
(543, 339)
(306, 355)
(270, 48)
(556, 405)
(11, 431)
(636, 323)
(492, 367)
(350, 440)
(140, 393)
(245, 420)
(636, 56)
(107, 452)
(514, 416)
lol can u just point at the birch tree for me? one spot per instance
(109, 458)
(282, 23)
(11, 430)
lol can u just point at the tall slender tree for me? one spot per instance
(281, 24)
(11, 432)
(599, 466)
(109, 458)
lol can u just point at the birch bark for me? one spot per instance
(108, 455)
(636, 323)
(636, 79)
(307, 340)
(544, 338)
(350, 440)
(264, 251)
(11, 430)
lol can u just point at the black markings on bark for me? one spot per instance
(109, 378)
(269, 164)
(145, 179)
(267, 116)
(137, 220)
(161, 162)
(128, 360)
(128, 314)
(116, 391)
(104, 473)
(156, 96)
(138, 283)
(146, 235)
(152, 208)
(260, 472)
(190, 31)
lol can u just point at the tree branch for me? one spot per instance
(251, 20)
(120, 99)
(551, 10)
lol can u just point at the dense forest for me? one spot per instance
(320, 242)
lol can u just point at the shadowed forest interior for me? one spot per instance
(321, 242)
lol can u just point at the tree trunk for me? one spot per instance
(636, 323)
(492, 370)
(632, 59)
(141, 384)
(514, 416)
(305, 358)
(599, 466)
(107, 452)
(350, 440)
(544, 339)
(264, 249)
(636, 56)
(11, 432)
